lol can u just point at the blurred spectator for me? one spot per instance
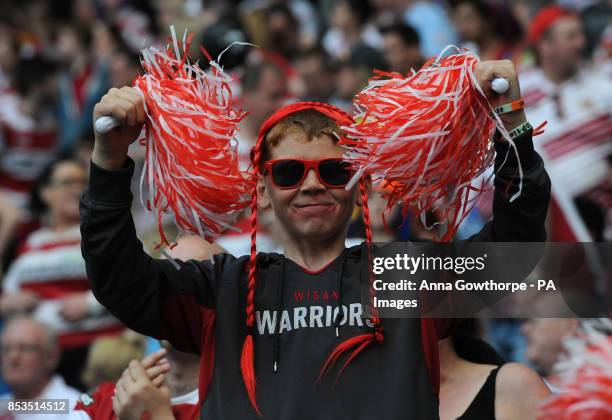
(349, 29)
(317, 73)
(545, 341)
(8, 55)
(428, 18)
(84, 12)
(30, 354)
(48, 278)
(595, 17)
(264, 90)
(104, 40)
(576, 103)
(164, 382)
(523, 11)
(109, 356)
(123, 67)
(28, 127)
(82, 81)
(169, 368)
(545, 335)
(476, 383)
(309, 26)
(33, 22)
(491, 31)
(283, 31)
(136, 20)
(268, 21)
(353, 74)
(401, 48)
(97, 42)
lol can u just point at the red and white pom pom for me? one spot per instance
(192, 169)
(426, 136)
(585, 376)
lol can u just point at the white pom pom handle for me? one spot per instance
(500, 85)
(106, 124)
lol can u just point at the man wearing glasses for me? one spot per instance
(30, 355)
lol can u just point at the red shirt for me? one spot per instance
(98, 405)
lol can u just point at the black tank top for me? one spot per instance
(483, 405)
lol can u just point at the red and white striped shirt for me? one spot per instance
(576, 142)
(50, 264)
(99, 405)
(26, 147)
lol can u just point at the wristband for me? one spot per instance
(521, 129)
(510, 107)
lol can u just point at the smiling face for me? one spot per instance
(311, 211)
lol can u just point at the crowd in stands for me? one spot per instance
(57, 58)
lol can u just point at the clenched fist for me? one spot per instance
(126, 106)
(486, 71)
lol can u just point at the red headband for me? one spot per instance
(545, 19)
(335, 113)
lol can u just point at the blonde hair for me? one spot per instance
(307, 122)
(109, 356)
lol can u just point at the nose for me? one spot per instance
(312, 183)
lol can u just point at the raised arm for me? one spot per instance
(522, 219)
(165, 299)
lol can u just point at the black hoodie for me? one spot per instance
(199, 307)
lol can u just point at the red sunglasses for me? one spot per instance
(290, 173)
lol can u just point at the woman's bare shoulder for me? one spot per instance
(519, 391)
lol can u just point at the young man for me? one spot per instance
(289, 314)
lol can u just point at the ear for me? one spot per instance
(263, 198)
(368, 185)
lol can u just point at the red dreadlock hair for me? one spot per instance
(357, 343)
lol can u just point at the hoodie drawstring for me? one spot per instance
(279, 306)
(339, 282)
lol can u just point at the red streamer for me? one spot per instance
(192, 169)
(425, 137)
